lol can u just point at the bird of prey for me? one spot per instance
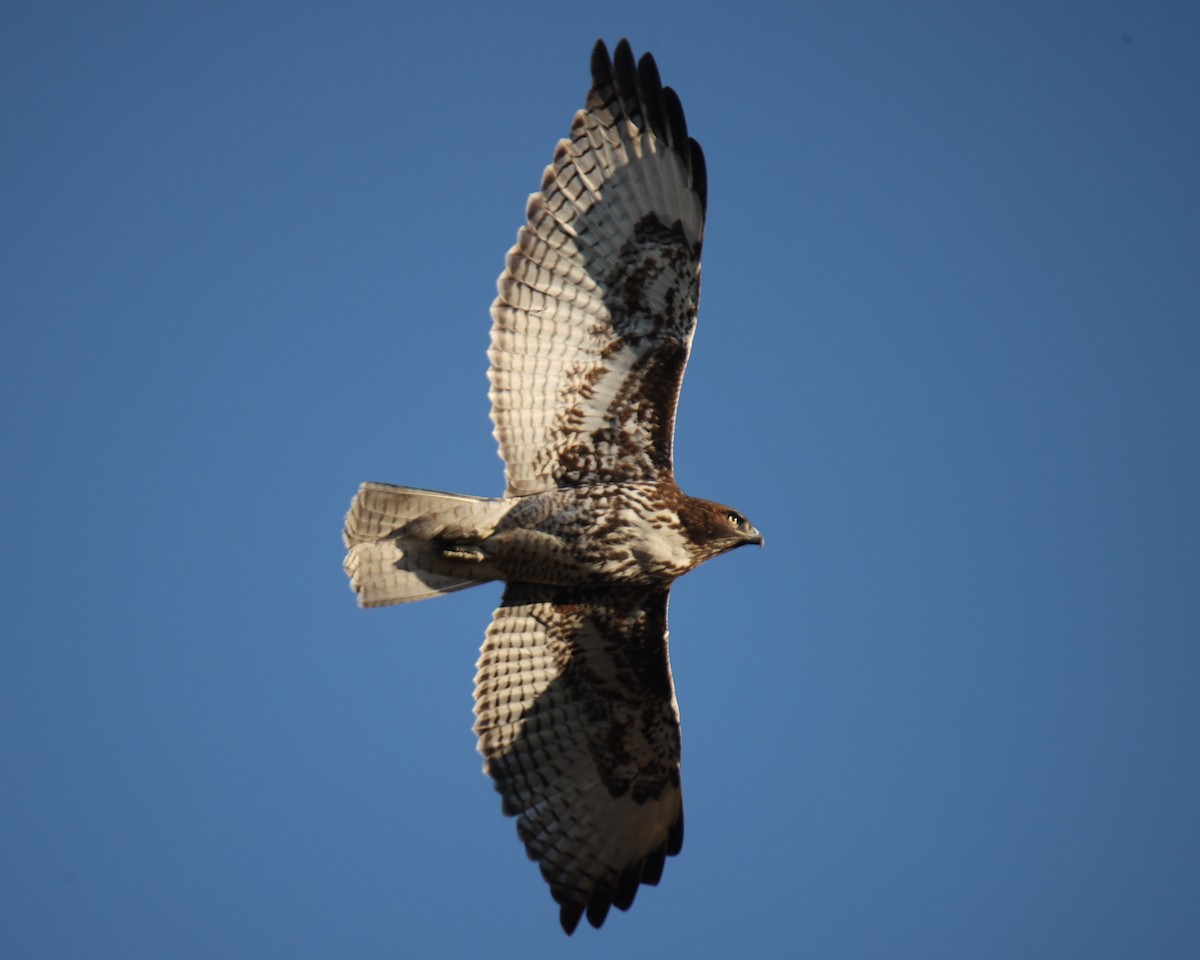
(574, 704)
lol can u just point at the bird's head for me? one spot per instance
(715, 528)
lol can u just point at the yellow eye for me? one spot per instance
(735, 518)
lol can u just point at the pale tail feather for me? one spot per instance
(406, 544)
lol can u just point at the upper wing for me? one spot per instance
(577, 722)
(597, 303)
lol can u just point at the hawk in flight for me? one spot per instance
(574, 705)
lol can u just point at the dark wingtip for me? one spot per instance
(597, 910)
(677, 124)
(569, 915)
(650, 90)
(653, 870)
(625, 80)
(675, 835)
(648, 871)
(699, 173)
(642, 98)
(627, 886)
(623, 51)
(601, 64)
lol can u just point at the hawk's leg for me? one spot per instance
(463, 551)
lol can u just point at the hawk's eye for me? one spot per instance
(735, 518)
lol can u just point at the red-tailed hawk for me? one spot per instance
(574, 705)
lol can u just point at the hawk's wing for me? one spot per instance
(597, 303)
(576, 717)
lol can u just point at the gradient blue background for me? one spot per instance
(948, 362)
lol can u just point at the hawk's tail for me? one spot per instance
(405, 544)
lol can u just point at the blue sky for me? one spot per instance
(947, 363)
